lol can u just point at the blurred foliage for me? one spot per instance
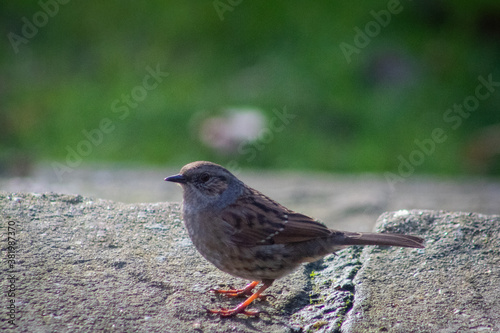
(356, 116)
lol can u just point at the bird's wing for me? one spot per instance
(255, 219)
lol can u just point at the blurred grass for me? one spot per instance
(351, 117)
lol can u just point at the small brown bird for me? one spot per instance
(248, 235)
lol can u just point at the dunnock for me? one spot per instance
(248, 235)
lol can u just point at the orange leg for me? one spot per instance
(242, 307)
(237, 292)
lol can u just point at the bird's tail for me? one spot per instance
(367, 238)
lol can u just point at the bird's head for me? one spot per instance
(206, 183)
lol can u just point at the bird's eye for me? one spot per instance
(204, 177)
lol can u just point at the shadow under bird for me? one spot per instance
(246, 234)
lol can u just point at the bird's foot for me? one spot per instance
(232, 292)
(242, 308)
(233, 312)
(247, 291)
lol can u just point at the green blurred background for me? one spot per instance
(352, 114)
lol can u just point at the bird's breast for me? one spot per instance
(207, 236)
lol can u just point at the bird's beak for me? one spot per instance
(176, 179)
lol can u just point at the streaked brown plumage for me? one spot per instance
(246, 234)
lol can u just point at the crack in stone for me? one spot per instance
(331, 291)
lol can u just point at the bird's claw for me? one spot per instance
(233, 312)
(232, 292)
(240, 293)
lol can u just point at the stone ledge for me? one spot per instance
(453, 285)
(86, 264)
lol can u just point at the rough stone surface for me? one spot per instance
(86, 265)
(453, 285)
